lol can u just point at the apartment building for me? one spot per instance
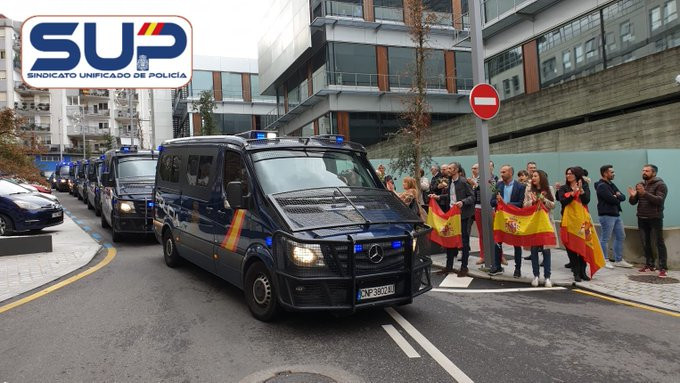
(344, 66)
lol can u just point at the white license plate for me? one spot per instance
(57, 214)
(375, 292)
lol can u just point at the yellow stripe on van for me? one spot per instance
(234, 234)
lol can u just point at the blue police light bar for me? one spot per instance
(160, 148)
(339, 139)
(260, 135)
(128, 149)
(102, 157)
(149, 204)
(268, 241)
(358, 248)
(396, 244)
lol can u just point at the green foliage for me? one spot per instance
(15, 157)
(205, 106)
(405, 161)
(109, 141)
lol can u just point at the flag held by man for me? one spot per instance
(578, 235)
(446, 227)
(529, 226)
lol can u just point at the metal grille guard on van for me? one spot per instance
(334, 207)
(342, 269)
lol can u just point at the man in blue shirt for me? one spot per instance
(512, 193)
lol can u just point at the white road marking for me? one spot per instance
(437, 355)
(452, 280)
(485, 100)
(514, 290)
(401, 341)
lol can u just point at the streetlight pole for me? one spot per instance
(61, 146)
(80, 122)
(483, 155)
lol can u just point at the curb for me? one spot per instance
(476, 273)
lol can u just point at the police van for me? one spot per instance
(127, 178)
(296, 223)
(94, 184)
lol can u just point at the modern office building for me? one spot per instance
(234, 85)
(345, 66)
(574, 75)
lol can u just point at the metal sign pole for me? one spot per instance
(482, 133)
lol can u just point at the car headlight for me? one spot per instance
(27, 205)
(126, 207)
(62, 180)
(306, 255)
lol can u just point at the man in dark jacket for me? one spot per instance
(511, 193)
(440, 186)
(650, 195)
(459, 193)
(609, 200)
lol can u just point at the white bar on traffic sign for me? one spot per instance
(485, 101)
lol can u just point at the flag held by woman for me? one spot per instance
(529, 226)
(578, 234)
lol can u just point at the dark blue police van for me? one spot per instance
(94, 185)
(127, 178)
(296, 223)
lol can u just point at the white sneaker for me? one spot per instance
(548, 283)
(623, 263)
(608, 265)
(534, 283)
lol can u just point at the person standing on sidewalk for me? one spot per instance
(650, 196)
(575, 186)
(512, 193)
(539, 192)
(459, 194)
(609, 200)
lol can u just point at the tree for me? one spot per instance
(109, 141)
(205, 106)
(412, 156)
(15, 155)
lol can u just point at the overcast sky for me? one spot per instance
(229, 28)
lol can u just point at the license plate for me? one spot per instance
(375, 292)
(57, 214)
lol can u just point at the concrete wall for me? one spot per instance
(598, 112)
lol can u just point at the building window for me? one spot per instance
(435, 70)
(201, 81)
(401, 62)
(103, 125)
(566, 61)
(3, 75)
(611, 42)
(72, 100)
(231, 86)
(103, 106)
(233, 123)
(392, 10)
(463, 70)
(2, 53)
(670, 11)
(255, 90)
(353, 64)
(578, 54)
(626, 32)
(515, 84)
(549, 70)
(505, 66)
(506, 88)
(591, 49)
(3, 96)
(655, 18)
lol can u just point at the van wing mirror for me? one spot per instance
(235, 195)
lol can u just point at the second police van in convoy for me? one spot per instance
(297, 223)
(94, 185)
(127, 177)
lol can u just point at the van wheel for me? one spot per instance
(105, 224)
(97, 212)
(5, 225)
(260, 292)
(115, 235)
(89, 205)
(170, 254)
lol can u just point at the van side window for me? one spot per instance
(198, 170)
(235, 170)
(169, 168)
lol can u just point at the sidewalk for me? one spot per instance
(622, 283)
(72, 247)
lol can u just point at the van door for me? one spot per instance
(232, 226)
(198, 231)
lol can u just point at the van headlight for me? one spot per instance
(306, 255)
(126, 207)
(414, 244)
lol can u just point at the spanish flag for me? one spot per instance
(529, 226)
(446, 227)
(579, 235)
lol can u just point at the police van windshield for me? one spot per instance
(282, 171)
(137, 167)
(64, 170)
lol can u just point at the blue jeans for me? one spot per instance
(546, 261)
(609, 225)
(499, 253)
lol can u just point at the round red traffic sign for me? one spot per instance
(484, 101)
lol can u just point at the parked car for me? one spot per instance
(23, 210)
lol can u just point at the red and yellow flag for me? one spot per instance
(529, 226)
(579, 235)
(446, 227)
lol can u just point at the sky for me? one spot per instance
(228, 28)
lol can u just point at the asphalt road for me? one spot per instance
(138, 320)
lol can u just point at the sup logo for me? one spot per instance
(106, 51)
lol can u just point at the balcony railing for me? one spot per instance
(94, 93)
(31, 127)
(22, 88)
(338, 8)
(42, 107)
(494, 9)
(89, 130)
(439, 18)
(96, 112)
(388, 13)
(121, 114)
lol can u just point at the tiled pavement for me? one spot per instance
(72, 248)
(614, 282)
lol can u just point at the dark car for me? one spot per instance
(127, 179)
(278, 218)
(62, 175)
(94, 185)
(23, 210)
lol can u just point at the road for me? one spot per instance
(138, 320)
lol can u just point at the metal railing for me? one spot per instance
(494, 9)
(97, 112)
(94, 92)
(338, 8)
(439, 18)
(388, 13)
(126, 114)
(31, 127)
(20, 87)
(32, 107)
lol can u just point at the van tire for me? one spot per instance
(261, 292)
(116, 236)
(170, 253)
(5, 225)
(105, 224)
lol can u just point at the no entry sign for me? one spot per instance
(484, 101)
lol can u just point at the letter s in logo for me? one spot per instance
(38, 40)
